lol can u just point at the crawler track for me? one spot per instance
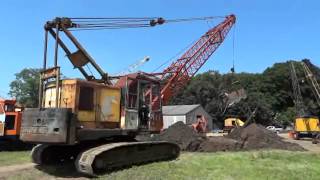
(103, 158)
(117, 155)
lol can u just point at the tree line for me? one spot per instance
(270, 92)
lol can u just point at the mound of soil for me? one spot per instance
(180, 134)
(252, 137)
(189, 140)
(214, 144)
(256, 136)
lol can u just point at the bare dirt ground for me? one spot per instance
(304, 142)
(14, 169)
(32, 171)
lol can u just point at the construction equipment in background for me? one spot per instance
(133, 67)
(232, 122)
(94, 121)
(311, 123)
(229, 100)
(232, 98)
(251, 117)
(200, 126)
(306, 127)
(10, 124)
(299, 105)
(313, 81)
(304, 124)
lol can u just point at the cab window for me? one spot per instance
(86, 98)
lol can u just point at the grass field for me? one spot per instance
(11, 158)
(230, 165)
(223, 165)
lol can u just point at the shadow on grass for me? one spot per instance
(305, 139)
(66, 170)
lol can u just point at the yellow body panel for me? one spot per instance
(86, 116)
(67, 95)
(1, 129)
(50, 97)
(310, 124)
(233, 122)
(105, 102)
(109, 104)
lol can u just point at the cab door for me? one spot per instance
(131, 104)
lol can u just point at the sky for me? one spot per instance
(266, 32)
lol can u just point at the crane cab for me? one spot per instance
(88, 110)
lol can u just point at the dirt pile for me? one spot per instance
(251, 137)
(256, 136)
(189, 140)
(214, 144)
(180, 134)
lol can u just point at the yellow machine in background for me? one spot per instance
(306, 127)
(231, 123)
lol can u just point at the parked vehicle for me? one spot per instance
(274, 129)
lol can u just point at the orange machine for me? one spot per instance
(10, 120)
(200, 126)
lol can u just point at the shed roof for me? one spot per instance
(178, 109)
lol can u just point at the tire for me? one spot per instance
(296, 136)
(316, 139)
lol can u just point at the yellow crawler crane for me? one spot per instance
(95, 121)
(304, 125)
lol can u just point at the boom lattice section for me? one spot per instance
(178, 74)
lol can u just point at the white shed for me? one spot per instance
(185, 113)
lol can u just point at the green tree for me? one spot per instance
(25, 87)
(270, 92)
(286, 117)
